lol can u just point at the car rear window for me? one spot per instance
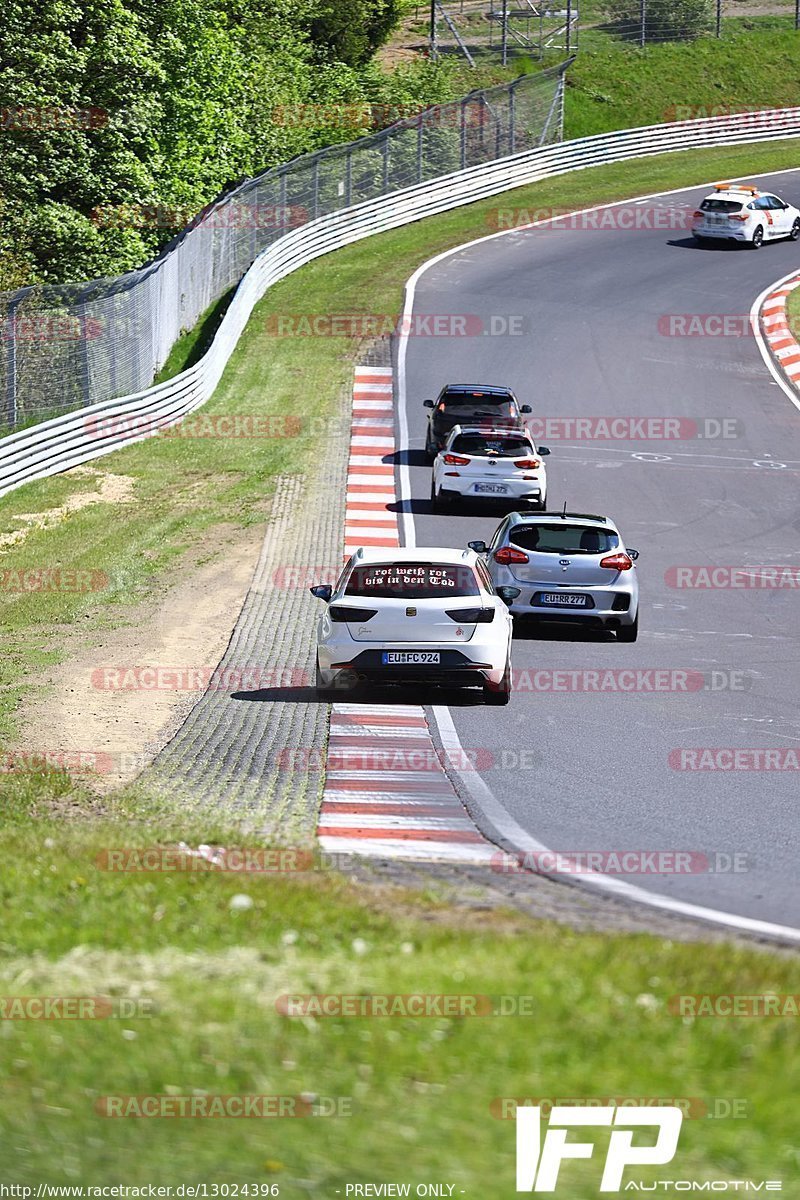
(412, 580)
(491, 447)
(474, 400)
(564, 539)
(715, 205)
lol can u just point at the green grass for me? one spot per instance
(614, 85)
(793, 312)
(421, 1089)
(596, 1025)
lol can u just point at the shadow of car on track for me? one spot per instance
(528, 629)
(690, 243)
(366, 694)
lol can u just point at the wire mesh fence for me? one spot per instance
(508, 29)
(67, 346)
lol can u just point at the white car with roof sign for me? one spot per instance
(489, 464)
(741, 212)
(420, 615)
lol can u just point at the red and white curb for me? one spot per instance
(779, 337)
(370, 477)
(386, 794)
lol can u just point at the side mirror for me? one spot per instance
(544, 451)
(478, 547)
(323, 591)
(633, 555)
(427, 404)
(508, 594)
(526, 408)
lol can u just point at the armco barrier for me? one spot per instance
(76, 438)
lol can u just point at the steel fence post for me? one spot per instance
(643, 20)
(11, 389)
(463, 133)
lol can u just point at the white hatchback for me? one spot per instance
(741, 212)
(426, 615)
(489, 464)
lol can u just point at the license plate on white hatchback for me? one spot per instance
(563, 600)
(491, 489)
(417, 658)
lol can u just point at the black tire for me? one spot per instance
(502, 693)
(430, 449)
(699, 240)
(795, 233)
(758, 238)
(629, 633)
(436, 503)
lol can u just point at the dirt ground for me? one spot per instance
(71, 709)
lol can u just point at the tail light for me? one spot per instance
(454, 460)
(616, 562)
(698, 212)
(529, 464)
(342, 612)
(470, 616)
(738, 216)
(509, 554)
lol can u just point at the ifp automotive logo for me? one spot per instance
(538, 1162)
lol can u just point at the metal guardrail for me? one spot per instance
(91, 432)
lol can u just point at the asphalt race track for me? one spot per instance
(596, 773)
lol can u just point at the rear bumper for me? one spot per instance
(610, 608)
(516, 491)
(455, 668)
(725, 233)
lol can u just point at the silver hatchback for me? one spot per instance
(568, 567)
